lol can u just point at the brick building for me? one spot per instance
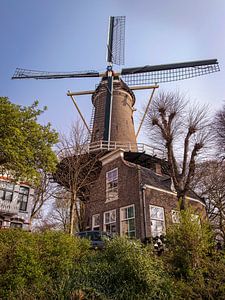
(134, 196)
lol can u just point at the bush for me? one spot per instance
(192, 260)
(125, 270)
(37, 266)
(54, 265)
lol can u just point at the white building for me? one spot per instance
(15, 204)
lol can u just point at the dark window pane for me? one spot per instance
(23, 206)
(23, 198)
(1, 195)
(16, 225)
(8, 196)
(130, 212)
(24, 190)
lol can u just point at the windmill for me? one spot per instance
(113, 99)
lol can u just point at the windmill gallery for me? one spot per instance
(133, 192)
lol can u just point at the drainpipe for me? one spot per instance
(143, 189)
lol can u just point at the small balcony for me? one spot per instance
(9, 207)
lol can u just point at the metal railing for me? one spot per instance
(130, 147)
(110, 146)
(8, 207)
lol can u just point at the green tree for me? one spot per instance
(192, 261)
(25, 145)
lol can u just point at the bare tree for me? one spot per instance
(60, 211)
(77, 171)
(183, 132)
(43, 192)
(209, 182)
(219, 127)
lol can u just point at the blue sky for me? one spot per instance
(71, 35)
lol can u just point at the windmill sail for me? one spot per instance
(168, 72)
(116, 40)
(32, 74)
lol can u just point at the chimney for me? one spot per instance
(158, 169)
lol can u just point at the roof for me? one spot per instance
(149, 177)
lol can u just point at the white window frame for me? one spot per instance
(162, 220)
(110, 222)
(93, 225)
(127, 219)
(112, 192)
(175, 216)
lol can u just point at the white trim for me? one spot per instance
(110, 190)
(171, 193)
(157, 207)
(175, 216)
(111, 156)
(104, 222)
(156, 219)
(92, 221)
(134, 217)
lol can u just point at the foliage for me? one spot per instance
(192, 260)
(37, 266)
(54, 265)
(188, 244)
(25, 145)
(125, 270)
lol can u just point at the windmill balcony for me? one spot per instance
(110, 146)
(9, 207)
(129, 147)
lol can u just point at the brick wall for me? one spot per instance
(128, 192)
(131, 191)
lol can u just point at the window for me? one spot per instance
(112, 185)
(23, 198)
(157, 220)
(6, 191)
(110, 221)
(16, 225)
(175, 216)
(96, 222)
(127, 220)
(196, 218)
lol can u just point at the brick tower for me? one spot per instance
(122, 125)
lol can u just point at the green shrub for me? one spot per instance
(198, 269)
(19, 265)
(188, 244)
(125, 270)
(37, 266)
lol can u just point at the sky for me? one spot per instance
(71, 35)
